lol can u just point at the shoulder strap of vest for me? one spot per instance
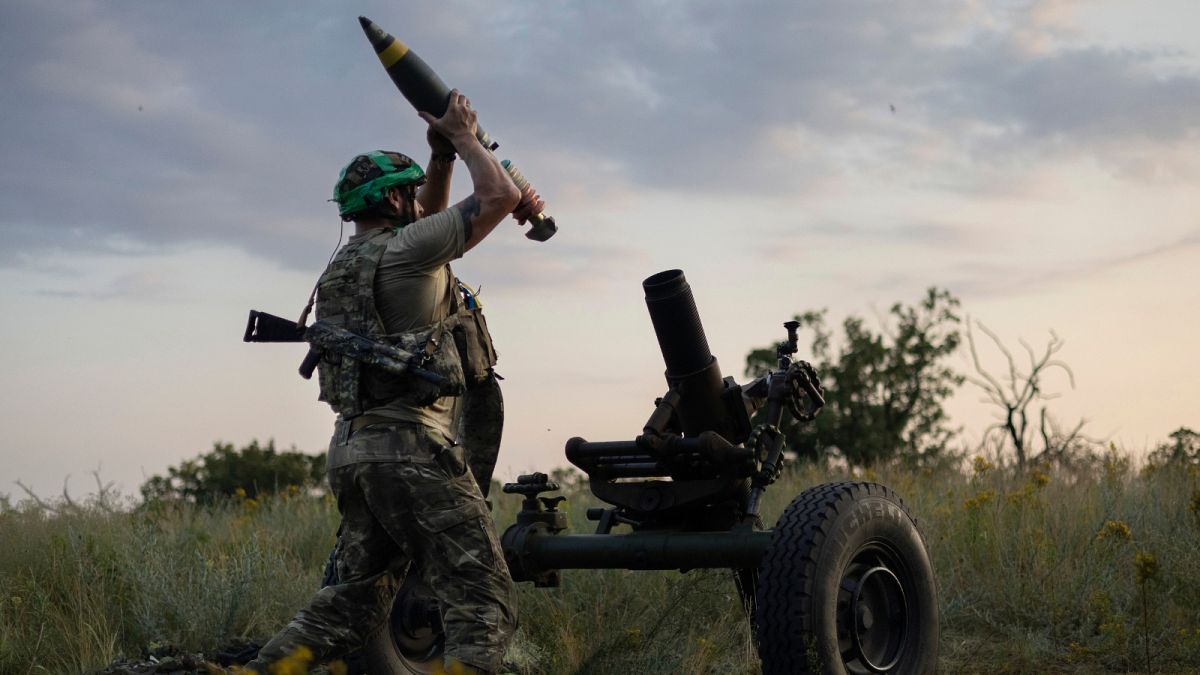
(452, 283)
(381, 239)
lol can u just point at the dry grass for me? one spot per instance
(93, 582)
(1057, 572)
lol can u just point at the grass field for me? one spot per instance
(1087, 571)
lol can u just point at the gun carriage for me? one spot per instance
(843, 576)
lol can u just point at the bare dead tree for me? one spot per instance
(106, 493)
(41, 503)
(1016, 392)
(1059, 444)
(105, 497)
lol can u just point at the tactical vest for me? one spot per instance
(458, 347)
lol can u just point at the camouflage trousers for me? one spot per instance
(480, 427)
(421, 512)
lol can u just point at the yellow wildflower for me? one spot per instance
(295, 663)
(1116, 465)
(982, 465)
(980, 500)
(1146, 565)
(1116, 529)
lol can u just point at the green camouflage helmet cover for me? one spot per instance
(365, 180)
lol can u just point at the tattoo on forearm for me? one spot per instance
(470, 209)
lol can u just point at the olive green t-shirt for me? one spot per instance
(413, 287)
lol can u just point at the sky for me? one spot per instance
(167, 167)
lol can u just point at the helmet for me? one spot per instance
(365, 180)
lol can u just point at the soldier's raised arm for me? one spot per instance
(494, 196)
(434, 195)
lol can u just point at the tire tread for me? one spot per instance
(788, 569)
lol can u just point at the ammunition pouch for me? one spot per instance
(471, 336)
(474, 344)
(438, 348)
(339, 377)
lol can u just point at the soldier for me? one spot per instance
(407, 499)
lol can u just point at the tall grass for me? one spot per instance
(1054, 572)
(89, 583)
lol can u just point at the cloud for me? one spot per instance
(831, 72)
(224, 122)
(143, 286)
(517, 265)
(810, 240)
(978, 279)
(116, 144)
(1077, 95)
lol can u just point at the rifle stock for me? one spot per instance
(263, 327)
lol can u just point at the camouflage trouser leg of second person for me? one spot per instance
(416, 509)
(481, 425)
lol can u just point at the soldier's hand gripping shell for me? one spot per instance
(530, 205)
(459, 118)
(439, 145)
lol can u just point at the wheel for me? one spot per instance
(411, 641)
(846, 587)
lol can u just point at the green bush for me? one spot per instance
(883, 391)
(249, 471)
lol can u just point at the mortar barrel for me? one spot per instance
(692, 371)
(676, 323)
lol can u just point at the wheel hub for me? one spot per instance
(865, 618)
(872, 616)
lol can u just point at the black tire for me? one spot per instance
(411, 641)
(846, 587)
